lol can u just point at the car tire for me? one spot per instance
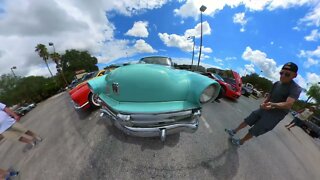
(93, 100)
(221, 93)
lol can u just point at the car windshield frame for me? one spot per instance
(166, 61)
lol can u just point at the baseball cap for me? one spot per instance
(290, 66)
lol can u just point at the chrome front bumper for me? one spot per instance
(153, 125)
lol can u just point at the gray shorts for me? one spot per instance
(262, 121)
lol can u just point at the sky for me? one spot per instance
(243, 35)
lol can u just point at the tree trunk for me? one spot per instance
(48, 68)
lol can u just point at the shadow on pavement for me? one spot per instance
(225, 165)
(153, 143)
(84, 113)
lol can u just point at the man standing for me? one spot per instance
(11, 129)
(303, 115)
(274, 108)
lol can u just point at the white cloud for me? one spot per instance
(265, 64)
(313, 17)
(314, 36)
(182, 42)
(174, 40)
(80, 25)
(191, 7)
(196, 31)
(239, 18)
(139, 29)
(217, 60)
(271, 43)
(310, 62)
(249, 68)
(313, 78)
(308, 54)
(143, 47)
(230, 58)
(206, 49)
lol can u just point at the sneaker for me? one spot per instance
(39, 139)
(231, 132)
(14, 173)
(236, 142)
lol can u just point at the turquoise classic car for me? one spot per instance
(153, 99)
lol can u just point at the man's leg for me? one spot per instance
(247, 137)
(292, 122)
(241, 126)
(34, 135)
(26, 140)
(232, 132)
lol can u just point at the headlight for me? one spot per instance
(207, 94)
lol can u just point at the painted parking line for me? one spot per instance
(206, 124)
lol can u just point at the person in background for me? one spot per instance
(6, 174)
(11, 129)
(274, 108)
(303, 115)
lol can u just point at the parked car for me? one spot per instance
(311, 128)
(231, 88)
(152, 98)
(247, 89)
(81, 96)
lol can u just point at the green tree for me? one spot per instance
(43, 53)
(258, 82)
(74, 60)
(314, 93)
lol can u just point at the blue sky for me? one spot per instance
(246, 36)
(273, 32)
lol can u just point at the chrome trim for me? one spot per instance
(135, 126)
(76, 106)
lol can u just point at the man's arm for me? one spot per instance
(282, 105)
(11, 113)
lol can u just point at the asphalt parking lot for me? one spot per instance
(79, 145)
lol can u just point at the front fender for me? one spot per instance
(198, 83)
(80, 97)
(98, 85)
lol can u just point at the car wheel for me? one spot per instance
(93, 100)
(221, 93)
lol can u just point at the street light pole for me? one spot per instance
(14, 67)
(193, 39)
(202, 9)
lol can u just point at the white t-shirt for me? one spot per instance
(6, 121)
(305, 114)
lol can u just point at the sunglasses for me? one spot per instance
(286, 74)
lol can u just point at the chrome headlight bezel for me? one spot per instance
(207, 94)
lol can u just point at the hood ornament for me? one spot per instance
(115, 88)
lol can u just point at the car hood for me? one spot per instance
(140, 83)
(238, 80)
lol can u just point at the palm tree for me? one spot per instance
(43, 53)
(57, 58)
(314, 92)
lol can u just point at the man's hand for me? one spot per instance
(17, 118)
(266, 106)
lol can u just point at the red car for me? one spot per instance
(81, 95)
(230, 87)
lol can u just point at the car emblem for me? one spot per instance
(115, 88)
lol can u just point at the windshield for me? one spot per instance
(157, 60)
(218, 77)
